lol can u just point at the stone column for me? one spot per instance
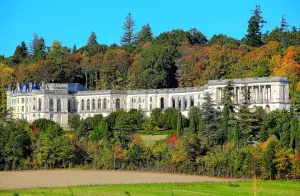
(176, 102)
(286, 93)
(238, 95)
(78, 105)
(252, 94)
(234, 94)
(182, 103)
(259, 94)
(264, 93)
(188, 105)
(54, 104)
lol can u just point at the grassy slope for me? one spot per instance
(273, 188)
(158, 135)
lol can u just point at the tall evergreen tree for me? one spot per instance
(295, 107)
(196, 37)
(92, 39)
(255, 24)
(211, 121)
(24, 50)
(74, 49)
(194, 117)
(34, 44)
(128, 35)
(249, 121)
(179, 124)
(145, 35)
(284, 25)
(227, 110)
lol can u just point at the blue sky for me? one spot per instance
(71, 22)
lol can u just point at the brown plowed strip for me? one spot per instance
(63, 178)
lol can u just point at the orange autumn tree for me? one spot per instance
(289, 66)
(6, 77)
(192, 65)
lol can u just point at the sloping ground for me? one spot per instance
(149, 140)
(63, 178)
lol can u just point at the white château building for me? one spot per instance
(57, 101)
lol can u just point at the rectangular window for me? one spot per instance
(150, 99)
(23, 100)
(51, 116)
(150, 107)
(22, 108)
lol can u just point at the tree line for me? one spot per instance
(176, 58)
(234, 141)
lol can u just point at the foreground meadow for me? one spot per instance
(273, 188)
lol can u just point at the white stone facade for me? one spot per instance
(57, 101)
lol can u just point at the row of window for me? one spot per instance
(91, 105)
(17, 100)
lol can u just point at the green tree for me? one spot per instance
(38, 48)
(268, 159)
(221, 39)
(74, 121)
(255, 24)
(74, 49)
(168, 119)
(295, 134)
(15, 144)
(158, 68)
(53, 149)
(211, 121)
(194, 117)
(128, 36)
(145, 35)
(92, 39)
(196, 37)
(180, 126)
(20, 53)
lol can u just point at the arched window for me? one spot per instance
(104, 104)
(82, 104)
(69, 105)
(88, 104)
(93, 104)
(58, 106)
(39, 104)
(162, 104)
(185, 103)
(192, 102)
(179, 104)
(51, 104)
(117, 103)
(99, 104)
(173, 103)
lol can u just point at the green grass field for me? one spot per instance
(284, 188)
(160, 132)
(150, 140)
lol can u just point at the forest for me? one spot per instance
(233, 142)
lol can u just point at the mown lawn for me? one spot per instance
(150, 140)
(284, 188)
(160, 132)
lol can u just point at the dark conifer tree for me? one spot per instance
(74, 49)
(92, 39)
(255, 24)
(128, 35)
(145, 35)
